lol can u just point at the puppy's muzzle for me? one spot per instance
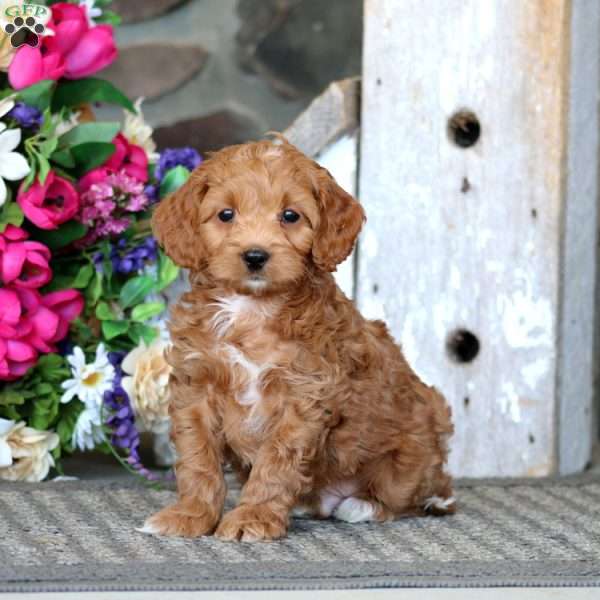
(255, 258)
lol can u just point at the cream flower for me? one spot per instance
(88, 432)
(146, 385)
(25, 452)
(138, 132)
(91, 10)
(13, 165)
(7, 51)
(89, 381)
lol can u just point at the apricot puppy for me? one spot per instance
(274, 369)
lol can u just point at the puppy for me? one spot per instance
(274, 369)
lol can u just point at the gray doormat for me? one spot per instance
(80, 536)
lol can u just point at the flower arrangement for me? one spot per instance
(82, 281)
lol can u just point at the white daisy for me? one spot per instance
(88, 432)
(92, 11)
(89, 381)
(13, 165)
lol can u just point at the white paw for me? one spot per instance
(353, 510)
(147, 528)
(439, 503)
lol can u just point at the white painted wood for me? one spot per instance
(341, 160)
(576, 363)
(328, 132)
(436, 256)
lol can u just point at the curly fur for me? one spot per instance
(277, 373)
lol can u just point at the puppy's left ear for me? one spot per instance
(341, 219)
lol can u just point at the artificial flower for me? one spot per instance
(28, 117)
(6, 105)
(128, 159)
(106, 206)
(88, 432)
(13, 165)
(7, 51)
(92, 11)
(31, 323)
(31, 65)
(173, 157)
(51, 203)
(25, 453)
(146, 383)
(67, 305)
(23, 263)
(89, 381)
(85, 49)
(138, 132)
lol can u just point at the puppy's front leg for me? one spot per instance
(279, 476)
(200, 482)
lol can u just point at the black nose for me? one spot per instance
(255, 258)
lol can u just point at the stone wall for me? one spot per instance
(216, 72)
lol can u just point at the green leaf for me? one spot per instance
(110, 18)
(90, 90)
(104, 312)
(94, 289)
(167, 271)
(111, 329)
(66, 424)
(173, 180)
(135, 290)
(38, 94)
(83, 277)
(10, 397)
(90, 155)
(89, 132)
(143, 312)
(66, 234)
(139, 331)
(47, 147)
(10, 214)
(44, 167)
(64, 158)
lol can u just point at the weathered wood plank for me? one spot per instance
(328, 131)
(480, 238)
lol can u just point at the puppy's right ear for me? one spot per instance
(176, 222)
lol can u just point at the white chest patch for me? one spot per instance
(251, 394)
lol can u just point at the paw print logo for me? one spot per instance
(24, 31)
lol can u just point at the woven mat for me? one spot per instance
(77, 536)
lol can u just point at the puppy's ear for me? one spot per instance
(341, 219)
(176, 222)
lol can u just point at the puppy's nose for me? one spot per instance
(255, 258)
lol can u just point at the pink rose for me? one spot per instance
(86, 50)
(49, 204)
(127, 157)
(67, 305)
(30, 324)
(30, 65)
(23, 263)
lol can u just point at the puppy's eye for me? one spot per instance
(289, 216)
(226, 215)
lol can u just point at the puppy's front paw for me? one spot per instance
(251, 524)
(184, 519)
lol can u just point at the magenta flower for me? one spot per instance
(30, 65)
(49, 204)
(23, 263)
(31, 323)
(86, 49)
(127, 158)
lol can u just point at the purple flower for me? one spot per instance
(151, 192)
(173, 157)
(121, 419)
(26, 116)
(134, 259)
